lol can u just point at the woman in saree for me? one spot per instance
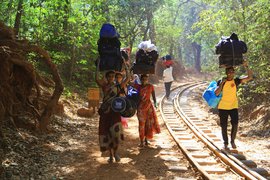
(110, 128)
(148, 121)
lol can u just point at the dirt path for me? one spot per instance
(136, 163)
(72, 150)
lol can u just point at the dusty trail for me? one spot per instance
(71, 151)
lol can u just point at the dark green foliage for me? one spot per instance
(69, 30)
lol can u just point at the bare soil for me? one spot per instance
(71, 150)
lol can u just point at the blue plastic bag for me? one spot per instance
(210, 96)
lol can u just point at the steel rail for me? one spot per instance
(230, 160)
(235, 165)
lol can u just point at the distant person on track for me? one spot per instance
(148, 121)
(168, 77)
(228, 105)
(110, 128)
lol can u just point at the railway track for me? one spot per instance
(200, 145)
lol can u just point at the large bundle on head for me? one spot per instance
(231, 51)
(109, 49)
(146, 58)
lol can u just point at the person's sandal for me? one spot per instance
(117, 158)
(110, 160)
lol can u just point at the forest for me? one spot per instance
(189, 30)
(48, 48)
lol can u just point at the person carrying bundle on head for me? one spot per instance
(228, 105)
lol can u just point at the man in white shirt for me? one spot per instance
(168, 79)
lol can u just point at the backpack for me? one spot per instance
(109, 54)
(109, 48)
(209, 95)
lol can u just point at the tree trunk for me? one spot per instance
(244, 18)
(18, 18)
(152, 30)
(46, 114)
(172, 45)
(197, 55)
(106, 11)
(19, 82)
(66, 15)
(180, 55)
(145, 37)
(72, 63)
(147, 30)
(8, 11)
(171, 48)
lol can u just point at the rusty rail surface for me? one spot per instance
(199, 144)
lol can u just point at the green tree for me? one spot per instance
(250, 20)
